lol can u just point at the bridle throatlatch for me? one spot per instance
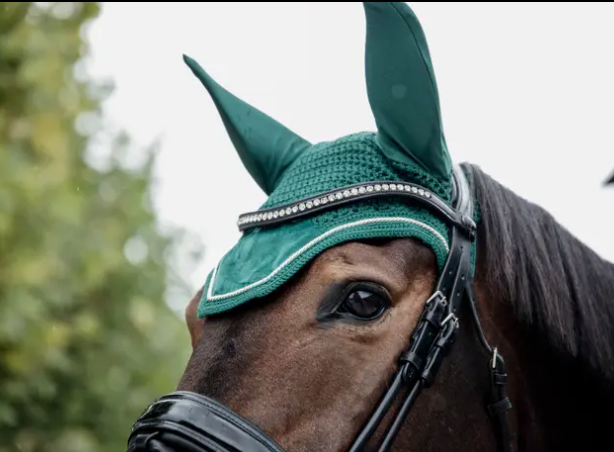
(184, 421)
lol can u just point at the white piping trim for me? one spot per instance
(293, 256)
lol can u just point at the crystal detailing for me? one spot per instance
(336, 197)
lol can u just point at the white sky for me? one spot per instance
(526, 92)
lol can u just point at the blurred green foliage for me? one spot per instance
(86, 339)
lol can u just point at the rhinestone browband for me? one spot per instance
(342, 196)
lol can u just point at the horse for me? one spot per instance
(371, 300)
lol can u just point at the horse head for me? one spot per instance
(371, 300)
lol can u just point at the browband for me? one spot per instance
(362, 191)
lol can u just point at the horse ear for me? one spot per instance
(265, 146)
(402, 89)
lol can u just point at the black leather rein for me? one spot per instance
(184, 421)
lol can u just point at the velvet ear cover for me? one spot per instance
(265, 146)
(409, 146)
(402, 88)
(402, 94)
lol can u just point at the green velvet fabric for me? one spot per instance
(402, 89)
(265, 146)
(408, 147)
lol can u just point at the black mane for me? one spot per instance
(557, 286)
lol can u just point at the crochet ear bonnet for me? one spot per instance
(320, 195)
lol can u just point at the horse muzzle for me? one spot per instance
(189, 422)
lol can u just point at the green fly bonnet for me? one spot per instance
(324, 194)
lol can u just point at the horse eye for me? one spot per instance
(364, 305)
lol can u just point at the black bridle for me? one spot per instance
(184, 421)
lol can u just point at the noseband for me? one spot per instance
(184, 421)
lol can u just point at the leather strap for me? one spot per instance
(499, 403)
(462, 197)
(353, 193)
(437, 326)
(195, 423)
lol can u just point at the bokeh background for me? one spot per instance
(86, 337)
(119, 189)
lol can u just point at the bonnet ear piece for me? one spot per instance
(402, 89)
(265, 147)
